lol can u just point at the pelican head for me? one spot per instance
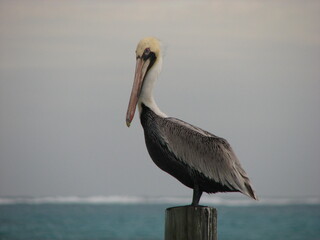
(148, 55)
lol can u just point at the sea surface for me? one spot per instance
(124, 218)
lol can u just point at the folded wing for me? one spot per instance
(205, 153)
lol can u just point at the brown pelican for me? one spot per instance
(197, 158)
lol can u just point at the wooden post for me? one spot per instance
(191, 223)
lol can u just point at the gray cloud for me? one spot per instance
(246, 72)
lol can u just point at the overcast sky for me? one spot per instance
(248, 71)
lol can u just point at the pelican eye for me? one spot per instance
(146, 51)
(148, 54)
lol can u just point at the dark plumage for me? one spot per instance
(197, 158)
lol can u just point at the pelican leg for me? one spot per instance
(196, 195)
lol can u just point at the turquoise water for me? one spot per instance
(146, 221)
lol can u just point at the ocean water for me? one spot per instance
(124, 218)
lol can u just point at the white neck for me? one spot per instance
(146, 95)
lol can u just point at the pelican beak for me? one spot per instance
(141, 70)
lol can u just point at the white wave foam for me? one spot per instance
(72, 199)
(205, 200)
